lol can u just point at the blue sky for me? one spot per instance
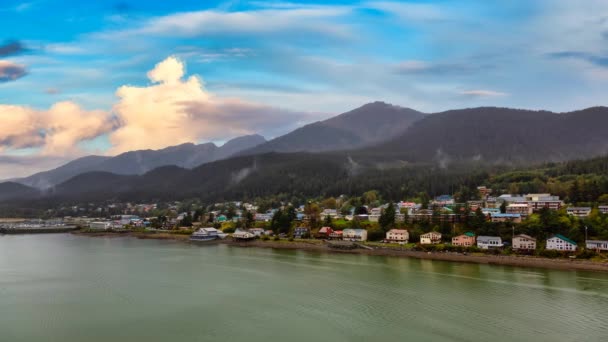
(269, 66)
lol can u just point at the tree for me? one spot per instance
(249, 219)
(387, 218)
(312, 210)
(503, 207)
(186, 221)
(603, 199)
(329, 203)
(328, 222)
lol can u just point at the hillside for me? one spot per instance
(139, 162)
(502, 135)
(372, 123)
(12, 190)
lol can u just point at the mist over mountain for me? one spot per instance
(139, 162)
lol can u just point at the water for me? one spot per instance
(69, 288)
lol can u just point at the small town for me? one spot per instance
(531, 224)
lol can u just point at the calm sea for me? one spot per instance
(69, 288)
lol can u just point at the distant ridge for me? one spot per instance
(371, 123)
(139, 162)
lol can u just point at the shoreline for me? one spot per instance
(318, 246)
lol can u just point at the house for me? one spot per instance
(465, 240)
(490, 211)
(333, 213)
(443, 200)
(301, 232)
(579, 211)
(101, 225)
(523, 242)
(336, 235)
(484, 191)
(354, 235)
(487, 242)
(241, 235)
(499, 217)
(324, 233)
(430, 238)
(257, 231)
(398, 235)
(598, 245)
(559, 242)
(603, 209)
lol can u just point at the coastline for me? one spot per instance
(318, 246)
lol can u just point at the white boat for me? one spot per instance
(205, 234)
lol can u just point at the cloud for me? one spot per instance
(594, 59)
(55, 131)
(481, 93)
(410, 12)
(174, 110)
(10, 71)
(11, 48)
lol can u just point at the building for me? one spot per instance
(523, 242)
(100, 225)
(354, 234)
(300, 232)
(598, 245)
(490, 211)
(484, 191)
(499, 217)
(324, 233)
(257, 231)
(539, 201)
(398, 235)
(430, 238)
(603, 209)
(465, 240)
(579, 211)
(333, 213)
(336, 235)
(443, 200)
(523, 209)
(559, 242)
(487, 242)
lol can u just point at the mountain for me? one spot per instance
(12, 190)
(372, 123)
(139, 162)
(501, 135)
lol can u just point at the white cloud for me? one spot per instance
(175, 110)
(55, 131)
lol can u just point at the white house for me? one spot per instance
(430, 238)
(101, 225)
(523, 241)
(560, 243)
(598, 245)
(487, 242)
(354, 235)
(398, 235)
(579, 211)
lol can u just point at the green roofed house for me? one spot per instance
(559, 242)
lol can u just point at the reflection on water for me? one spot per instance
(69, 288)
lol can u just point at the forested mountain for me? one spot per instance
(372, 123)
(502, 135)
(139, 162)
(11, 190)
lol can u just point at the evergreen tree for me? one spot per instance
(387, 218)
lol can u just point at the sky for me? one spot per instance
(105, 77)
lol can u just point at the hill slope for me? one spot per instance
(369, 124)
(12, 190)
(502, 135)
(139, 162)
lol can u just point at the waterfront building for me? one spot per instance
(354, 235)
(324, 233)
(523, 242)
(430, 238)
(398, 235)
(559, 242)
(597, 245)
(257, 231)
(100, 225)
(300, 232)
(487, 242)
(465, 240)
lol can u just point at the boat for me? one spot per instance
(205, 234)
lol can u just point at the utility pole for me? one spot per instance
(585, 237)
